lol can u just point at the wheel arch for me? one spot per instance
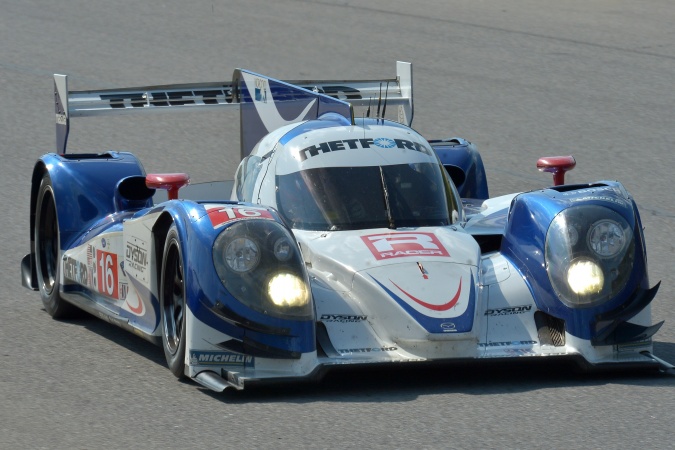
(28, 265)
(84, 188)
(159, 231)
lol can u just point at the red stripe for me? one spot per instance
(443, 307)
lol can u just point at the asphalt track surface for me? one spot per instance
(521, 79)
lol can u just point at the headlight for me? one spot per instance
(259, 263)
(242, 254)
(585, 277)
(606, 238)
(589, 254)
(283, 249)
(286, 289)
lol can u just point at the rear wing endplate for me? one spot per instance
(262, 96)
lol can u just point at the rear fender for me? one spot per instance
(464, 165)
(84, 188)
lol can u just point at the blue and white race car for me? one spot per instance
(345, 239)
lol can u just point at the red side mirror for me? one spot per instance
(557, 165)
(172, 182)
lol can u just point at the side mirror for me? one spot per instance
(172, 182)
(557, 165)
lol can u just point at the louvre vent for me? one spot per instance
(550, 329)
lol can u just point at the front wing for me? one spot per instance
(506, 320)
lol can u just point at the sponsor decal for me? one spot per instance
(339, 92)
(261, 90)
(599, 199)
(342, 318)
(633, 346)
(123, 288)
(90, 254)
(508, 311)
(518, 352)
(136, 260)
(163, 98)
(367, 350)
(397, 245)
(364, 143)
(136, 257)
(103, 243)
(207, 97)
(216, 358)
(448, 327)
(506, 344)
(76, 271)
(384, 142)
(442, 307)
(220, 216)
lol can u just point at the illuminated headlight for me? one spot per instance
(287, 290)
(589, 254)
(259, 263)
(585, 277)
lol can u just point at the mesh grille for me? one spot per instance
(551, 330)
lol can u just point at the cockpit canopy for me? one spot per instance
(350, 198)
(331, 178)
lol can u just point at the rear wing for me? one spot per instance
(264, 103)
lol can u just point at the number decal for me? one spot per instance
(220, 216)
(106, 264)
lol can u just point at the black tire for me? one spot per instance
(47, 251)
(172, 304)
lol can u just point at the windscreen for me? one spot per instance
(352, 198)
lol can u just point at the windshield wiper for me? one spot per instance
(390, 218)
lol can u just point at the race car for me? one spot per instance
(346, 238)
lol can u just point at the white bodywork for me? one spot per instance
(355, 272)
(394, 293)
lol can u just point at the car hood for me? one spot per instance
(337, 256)
(407, 285)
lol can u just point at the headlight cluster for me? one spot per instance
(589, 254)
(259, 263)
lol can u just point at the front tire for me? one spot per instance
(47, 252)
(172, 304)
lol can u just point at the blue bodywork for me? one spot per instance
(87, 185)
(104, 198)
(87, 189)
(464, 165)
(527, 224)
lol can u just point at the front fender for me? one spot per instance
(251, 331)
(529, 219)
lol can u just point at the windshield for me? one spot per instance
(351, 198)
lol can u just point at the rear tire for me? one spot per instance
(47, 252)
(172, 304)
